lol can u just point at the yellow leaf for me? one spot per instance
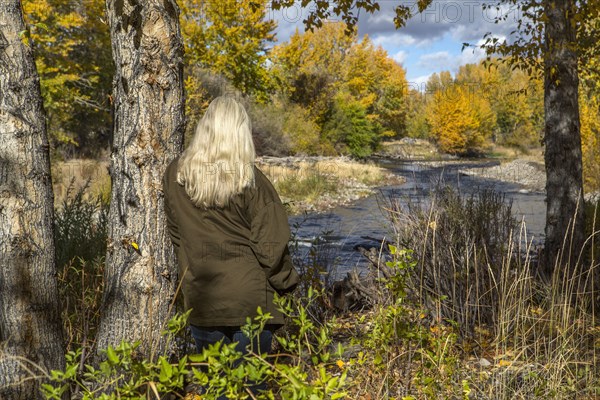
(136, 247)
(504, 363)
(340, 364)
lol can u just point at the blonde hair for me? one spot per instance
(219, 162)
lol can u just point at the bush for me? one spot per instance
(80, 227)
(461, 245)
(309, 371)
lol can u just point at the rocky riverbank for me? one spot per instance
(317, 184)
(530, 174)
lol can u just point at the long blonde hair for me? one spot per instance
(219, 162)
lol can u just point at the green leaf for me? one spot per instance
(166, 367)
(113, 358)
(41, 25)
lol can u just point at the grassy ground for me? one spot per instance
(322, 184)
(77, 173)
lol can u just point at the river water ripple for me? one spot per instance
(341, 229)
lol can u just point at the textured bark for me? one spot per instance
(148, 134)
(30, 326)
(564, 185)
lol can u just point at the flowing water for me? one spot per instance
(338, 231)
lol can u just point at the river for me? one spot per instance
(336, 233)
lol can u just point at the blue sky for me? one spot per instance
(430, 42)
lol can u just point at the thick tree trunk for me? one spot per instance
(564, 216)
(30, 326)
(148, 134)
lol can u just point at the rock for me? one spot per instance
(484, 363)
(527, 173)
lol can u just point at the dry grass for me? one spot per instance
(322, 184)
(77, 173)
(476, 323)
(335, 168)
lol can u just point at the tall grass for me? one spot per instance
(461, 245)
(80, 228)
(526, 336)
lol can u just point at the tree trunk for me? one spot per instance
(148, 133)
(564, 187)
(30, 325)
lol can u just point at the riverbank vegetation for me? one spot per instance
(318, 184)
(304, 183)
(451, 308)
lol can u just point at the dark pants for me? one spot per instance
(205, 337)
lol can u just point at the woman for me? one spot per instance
(229, 229)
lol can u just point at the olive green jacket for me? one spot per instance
(232, 259)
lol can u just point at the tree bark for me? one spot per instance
(30, 326)
(564, 185)
(148, 133)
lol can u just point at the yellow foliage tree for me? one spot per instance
(459, 121)
(230, 38)
(317, 69)
(378, 83)
(308, 68)
(71, 42)
(515, 97)
(589, 109)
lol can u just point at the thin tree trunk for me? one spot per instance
(30, 327)
(564, 185)
(148, 134)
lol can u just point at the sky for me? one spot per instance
(429, 42)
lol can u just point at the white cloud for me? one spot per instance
(466, 20)
(435, 61)
(445, 61)
(471, 55)
(393, 39)
(400, 57)
(419, 82)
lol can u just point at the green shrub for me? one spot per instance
(350, 127)
(308, 371)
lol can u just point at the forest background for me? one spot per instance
(320, 93)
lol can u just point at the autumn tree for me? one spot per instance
(30, 328)
(590, 139)
(352, 89)
(231, 38)
(547, 30)
(515, 97)
(459, 119)
(141, 273)
(228, 39)
(589, 96)
(72, 51)
(378, 83)
(308, 68)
